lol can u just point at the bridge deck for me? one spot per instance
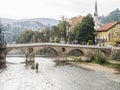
(56, 44)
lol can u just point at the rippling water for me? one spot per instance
(17, 76)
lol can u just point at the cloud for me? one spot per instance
(54, 8)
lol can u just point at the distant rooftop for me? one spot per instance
(107, 26)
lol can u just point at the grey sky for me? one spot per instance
(18, 9)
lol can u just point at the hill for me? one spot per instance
(13, 28)
(111, 17)
(45, 21)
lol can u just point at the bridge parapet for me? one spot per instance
(61, 49)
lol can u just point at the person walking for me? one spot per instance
(36, 66)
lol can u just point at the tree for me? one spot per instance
(84, 30)
(63, 27)
(55, 33)
(60, 31)
(29, 36)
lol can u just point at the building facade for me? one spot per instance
(109, 34)
(74, 21)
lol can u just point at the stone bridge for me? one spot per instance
(62, 50)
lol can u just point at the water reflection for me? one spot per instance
(18, 76)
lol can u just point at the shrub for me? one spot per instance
(90, 42)
(77, 59)
(117, 66)
(98, 58)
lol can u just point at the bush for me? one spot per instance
(77, 59)
(90, 42)
(98, 58)
(117, 66)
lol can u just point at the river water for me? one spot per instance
(18, 76)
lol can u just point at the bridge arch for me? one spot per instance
(47, 50)
(106, 52)
(14, 51)
(75, 52)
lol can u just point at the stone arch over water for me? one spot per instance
(47, 50)
(15, 52)
(75, 52)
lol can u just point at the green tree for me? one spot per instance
(29, 36)
(60, 31)
(63, 27)
(55, 33)
(46, 34)
(84, 30)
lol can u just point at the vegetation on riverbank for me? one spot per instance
(99, 58)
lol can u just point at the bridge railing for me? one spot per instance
(3, 45)
(56, 44)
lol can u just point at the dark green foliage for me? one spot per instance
(72, 36)
(98, 58)
(113, 65)
(55, 34)
(29, 36)
(60, 31)
(84, 31)
(63, 27)
(90, 42)
(116, 66)
(77, 59)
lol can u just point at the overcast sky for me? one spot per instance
(20, 9)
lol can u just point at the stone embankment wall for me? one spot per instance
(115, 53)
(2, 55)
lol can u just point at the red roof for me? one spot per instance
(107, 26)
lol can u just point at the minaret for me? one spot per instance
(96, 16)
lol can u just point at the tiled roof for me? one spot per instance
(107, 26)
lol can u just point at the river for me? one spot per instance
(18, 76)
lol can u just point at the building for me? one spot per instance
(109, 34)
(74, 21)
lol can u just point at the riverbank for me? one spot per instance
(95, 67)
(91, 66)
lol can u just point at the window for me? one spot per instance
(112, 35)
(118, 29)
(118, 35)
